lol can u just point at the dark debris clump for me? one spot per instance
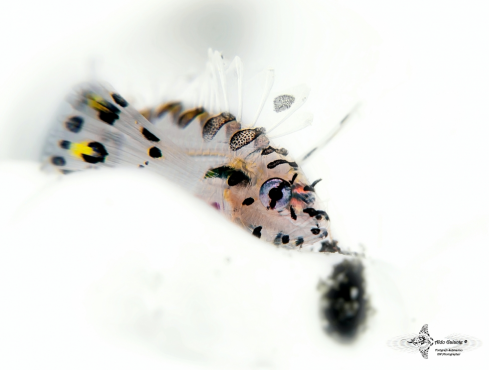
(343, 304)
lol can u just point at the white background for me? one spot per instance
(116, 270)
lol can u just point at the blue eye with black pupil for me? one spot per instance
(275, 194)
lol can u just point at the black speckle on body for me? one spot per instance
(315, 213)
(267, 151)
(119, 100)
(299, 241)
(278, 239)
(233, 176)
(285, 239)
(279, 162)
(343, 303)
(314, 183)
(248, 201)
(257, 231)
(58, 161)
(315, 231)
(214, 124)
(74, 124)
(292, 213)
(270, 150)
(155, 152)
(238, 177)
(244, 137)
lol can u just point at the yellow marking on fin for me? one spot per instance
(97, 102)
(77, 149)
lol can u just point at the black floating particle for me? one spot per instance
(74, 124)
(248, 201)
(58, 161)
(257, 231)
(155, 152)
(149, 135)
(285, 239)
(343, 302)
(119, 100)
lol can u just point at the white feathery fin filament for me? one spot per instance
(205, 98)
(214, 106)
(234, 88)
(219, 65)
(296, 123)
(239, 73)
(270, 76)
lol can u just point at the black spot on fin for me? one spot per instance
(119, 100)
(149, 135)
(188, 116)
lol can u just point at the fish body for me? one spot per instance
(210, 143)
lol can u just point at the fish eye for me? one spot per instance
(275, 194)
